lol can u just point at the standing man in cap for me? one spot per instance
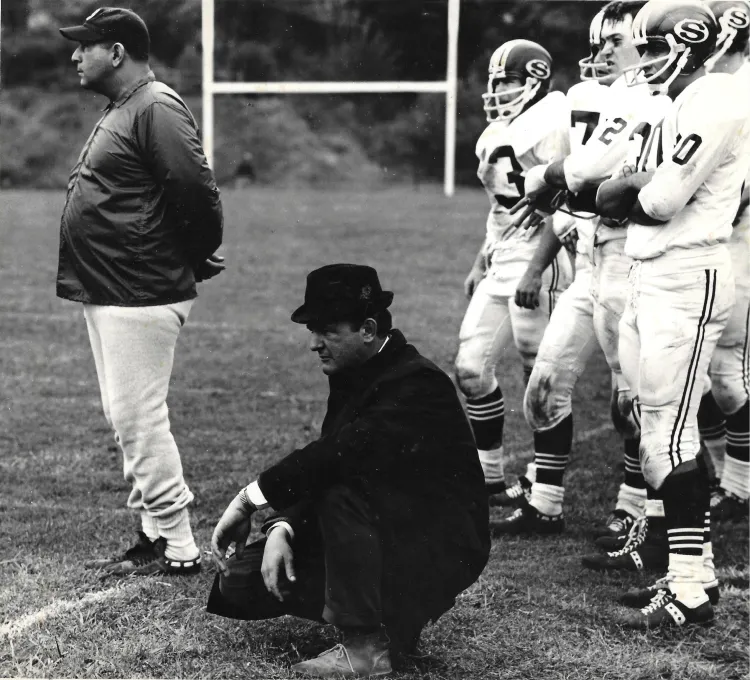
(141, 224)
(383, 520)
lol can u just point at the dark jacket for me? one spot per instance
(142, 209)
(395, 430)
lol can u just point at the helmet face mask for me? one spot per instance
(591, 69)
(522, 61)
(612, 50)
(674, 39)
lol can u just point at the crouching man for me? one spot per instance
(383, 520)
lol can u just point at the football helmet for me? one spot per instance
(733, 17)
(687, 28)
(523, 59)
(590, 68)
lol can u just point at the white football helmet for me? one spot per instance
(733, 17)
(590, 68)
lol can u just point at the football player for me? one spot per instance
(679, 195)
(723, 416)
(527, 126)
(590, 309)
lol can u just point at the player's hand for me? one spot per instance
(233, 527)
(278, 563)
(472, 281)
(527, 292)
(534, 182)
(209, 268)
(627, 170)
(531, 211)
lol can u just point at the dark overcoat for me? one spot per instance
(396, 432)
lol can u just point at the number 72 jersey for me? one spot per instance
(507, 150)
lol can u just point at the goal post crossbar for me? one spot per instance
(447, 87)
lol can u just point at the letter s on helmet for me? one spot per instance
(687, 27)
(523, 59)
(733, 17)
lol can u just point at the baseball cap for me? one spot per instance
(112, 23)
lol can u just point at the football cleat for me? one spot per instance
(618, 524)
(150, 560)
(644, 550)
(528, 520)
(514, 494)
(666, 610)
(726, 506)
(640, 597)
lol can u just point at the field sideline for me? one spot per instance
(246, 391)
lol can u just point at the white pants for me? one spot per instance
(134, 352)
(587, 314)
(493, 322)
(730, 364)
(677, 308)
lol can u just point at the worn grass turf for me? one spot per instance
(245, 391)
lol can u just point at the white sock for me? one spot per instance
(492, 465)
(717, 452)
(736, 477)
(547, 498)
(180, 543)
(531, 472)
(654, 508)
(709, 571)
(149, 526)
(686, 579)
(631, 499)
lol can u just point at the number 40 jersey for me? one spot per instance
(506, 151)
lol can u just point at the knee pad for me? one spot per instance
(547, 400)
(472, 379)
(727, 380)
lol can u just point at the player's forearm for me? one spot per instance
(546, 251)
(480, 261)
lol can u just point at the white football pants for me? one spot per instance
(134, 352)
(493, 322)
(677, 308)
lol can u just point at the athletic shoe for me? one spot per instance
(618, 524)
(528, 520)
(666, 610)
(725, 506)
(611, 543)
(142, 549)
(516, 494)
(146, 563)
(643, 550)
(640, 597)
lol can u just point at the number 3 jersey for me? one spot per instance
(505, 152)
(701, 154)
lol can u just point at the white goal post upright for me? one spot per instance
(448, 86)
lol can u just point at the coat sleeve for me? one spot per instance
(406, 418)
(168, 140)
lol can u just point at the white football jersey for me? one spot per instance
(507, 150)
(701, 156)
(587, 102)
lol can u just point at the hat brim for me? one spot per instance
(80, 34)
(309, 313)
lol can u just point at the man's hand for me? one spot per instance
(527, 292)
(472, 281)
(233, 527)
(531, 211)
(278, 563)
(211, 267)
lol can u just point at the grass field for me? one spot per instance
(246, 391)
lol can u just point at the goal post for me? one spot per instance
(448, 86)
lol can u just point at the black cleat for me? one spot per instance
(643, 550)
(528, 520)
(515, 494)
(725, 506)
(145, 558)
(666, 610)
(143, 548)
(640, 597)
